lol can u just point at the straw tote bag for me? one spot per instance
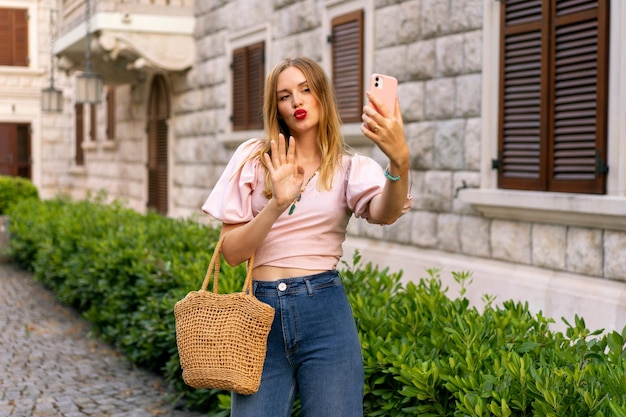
(222, 338)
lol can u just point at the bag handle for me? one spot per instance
(214, 266)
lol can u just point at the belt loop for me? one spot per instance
(309, 289)
(255, 285)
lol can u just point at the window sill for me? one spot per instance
(20, 70)
(583, 210)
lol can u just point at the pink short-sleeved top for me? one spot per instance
(312, 236)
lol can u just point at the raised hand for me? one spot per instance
(287, 177)
(386, 129)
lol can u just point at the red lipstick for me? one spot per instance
(299, 114)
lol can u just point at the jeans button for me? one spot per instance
(282, 286)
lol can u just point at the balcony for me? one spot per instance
(129, 38)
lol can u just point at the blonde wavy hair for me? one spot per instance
(330, 143)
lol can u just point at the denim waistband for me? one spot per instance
(295, 285)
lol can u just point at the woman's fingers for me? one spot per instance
(291, 151)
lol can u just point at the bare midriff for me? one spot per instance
(273, 273)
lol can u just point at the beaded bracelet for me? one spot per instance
(391, 177)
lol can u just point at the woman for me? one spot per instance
(288, 202)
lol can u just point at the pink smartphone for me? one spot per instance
(385, 87)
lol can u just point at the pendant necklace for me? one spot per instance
(293, 205)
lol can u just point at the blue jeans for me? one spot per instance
(313, 349)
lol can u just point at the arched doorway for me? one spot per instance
(158, 114)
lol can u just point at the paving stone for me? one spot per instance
(51, 367)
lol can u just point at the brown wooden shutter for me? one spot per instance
(110, 104)
(248, 84)
(580, 72)
(93, 123)
(14, 37)
(553, 95)
(347, 64)
(80, 134)
(158, 108)
(240, 101)
(256, 83)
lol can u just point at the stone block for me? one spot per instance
(473, 51)
(392, 61)
(474, 236)
(468, 95)
(448, 149)
(448, 231)
(421, 138)
(466, 15)
(510, 241)
(421, 60)
(584, 251)
(424, 229)
(400, 231)
(397, 24)
(411, 96)
(548, 246)
(472, 143)
(615, 255)
(435, 18)
(449, 55)
(434, 192)
(440, 98)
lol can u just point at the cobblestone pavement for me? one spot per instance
(50, 367)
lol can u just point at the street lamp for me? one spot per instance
(51, 98)
(88, 84)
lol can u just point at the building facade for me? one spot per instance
(515, 113)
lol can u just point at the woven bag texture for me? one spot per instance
(222, 338)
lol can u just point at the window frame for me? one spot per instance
(585, 210)
(227, 135)
(335, 8)
(552, 120)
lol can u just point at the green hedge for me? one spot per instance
(14, 189)
(424, 353)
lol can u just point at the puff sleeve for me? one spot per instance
(230, 201)
(365, 180)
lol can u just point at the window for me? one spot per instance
(110, 104)
(14, 37)
(347, 64)
(553, 96)
(80, 134)
(248, 69)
